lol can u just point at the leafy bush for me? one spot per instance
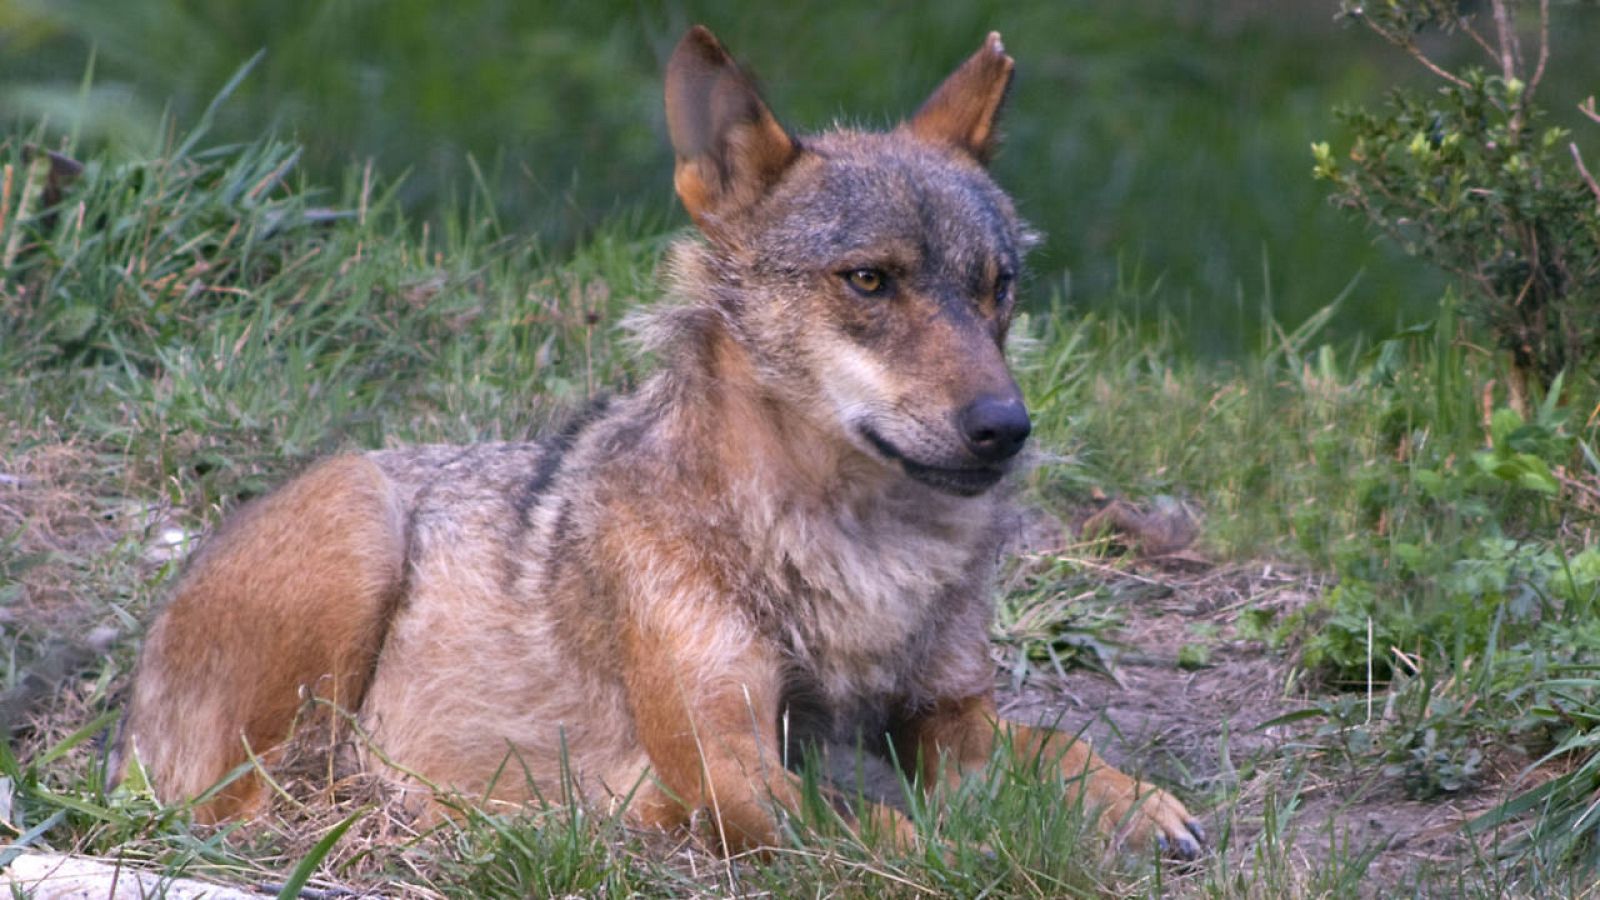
(1467, 550)
(1470, 179)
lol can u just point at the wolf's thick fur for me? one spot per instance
(787, 534)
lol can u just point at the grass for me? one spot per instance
(188, 328)
(1141, 137)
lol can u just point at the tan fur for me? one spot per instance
(303, 607)
(784, 541)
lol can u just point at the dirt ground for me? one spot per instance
(1202, 727)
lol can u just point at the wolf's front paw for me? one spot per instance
(1158, 816)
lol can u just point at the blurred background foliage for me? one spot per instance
(1162, 147)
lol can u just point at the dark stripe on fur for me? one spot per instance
(544, 475)
(555, 451)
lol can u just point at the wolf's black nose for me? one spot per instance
(995, 427)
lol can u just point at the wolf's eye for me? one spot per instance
(867, 282)
(1002, 289)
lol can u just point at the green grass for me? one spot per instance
(191, 326)
(1142, 136)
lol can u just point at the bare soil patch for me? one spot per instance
(1204, 727)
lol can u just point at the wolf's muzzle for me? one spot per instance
(965, 481)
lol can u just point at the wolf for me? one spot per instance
(785, 538)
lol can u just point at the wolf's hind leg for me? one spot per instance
(293, 592)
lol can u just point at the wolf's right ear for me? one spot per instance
(730, 148)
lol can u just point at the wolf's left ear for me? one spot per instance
(963, 111)
(730, 148)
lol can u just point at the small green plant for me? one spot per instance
(1426, 737)
(1045, 622)
(1560, 814)
(1469, 178)
(1194, 656)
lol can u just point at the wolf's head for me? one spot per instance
(868, 277)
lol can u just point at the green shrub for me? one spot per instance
(1470, 178)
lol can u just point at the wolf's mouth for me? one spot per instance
(964, 481)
